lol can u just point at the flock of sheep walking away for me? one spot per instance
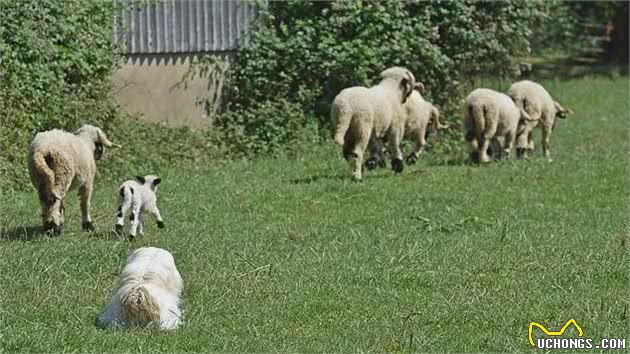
(150, 288)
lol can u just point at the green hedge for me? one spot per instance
(304, 53)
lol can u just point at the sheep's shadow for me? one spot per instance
(23, 233)
(318, 178)
(107, 235)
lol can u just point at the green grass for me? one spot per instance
(290, 255)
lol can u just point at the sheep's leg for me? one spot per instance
(524, 138)
(120, 214)
(375, 149)
(487, 136)
(546, 134)
(134, 219)
(141, 225)
(508, 143)
(85, 193)
(394, 138)
(420, 143)
(155, 211)
(358, 152)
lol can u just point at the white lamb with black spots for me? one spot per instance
(139, 196)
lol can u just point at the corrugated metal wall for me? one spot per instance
(182, 26)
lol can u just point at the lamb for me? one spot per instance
(149, 293)
(360, 113)
(139, 196)
(60, 161)
(490, 116)
(543, 110)
(420, 114)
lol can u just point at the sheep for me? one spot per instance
(543, 110)
(60, 161)
(139, 196)
(490, 116)
(420, 114)
(360, 113)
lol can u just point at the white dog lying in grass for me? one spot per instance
(149, 293)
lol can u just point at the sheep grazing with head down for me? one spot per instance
(542, 109)
(60, 161)
(139, 196)
(360, 113)
(490, 116)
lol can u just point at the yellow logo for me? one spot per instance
(550, 333)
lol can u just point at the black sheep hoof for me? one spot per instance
(474, 157)
(397, 165)
(520, 153)
(119, 229)
(160, 224)
(131, 237)
(88, 226)
(371, 163)
(52, 229)
(411, 159)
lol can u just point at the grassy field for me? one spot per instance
(292, 256)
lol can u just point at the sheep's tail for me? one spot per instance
(42, 163)
(139, 306)
(342, 117)
(435, 119)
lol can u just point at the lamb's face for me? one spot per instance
(97, 136)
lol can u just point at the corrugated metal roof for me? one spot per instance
(182, 26)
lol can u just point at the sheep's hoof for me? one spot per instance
(520, 153)
(371, 163)
(132, 237)
(119, 229)
(411, 159)
(160, 224)
(88, 226)
(474, 156)
(397, 165)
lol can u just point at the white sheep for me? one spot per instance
(542, 109)
(490, 116)
(60, 161)
(420, 114)
(139, 196)
(360, 112)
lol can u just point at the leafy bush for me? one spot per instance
(56, 59)
(306, 52)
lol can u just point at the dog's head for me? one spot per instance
(139, 306)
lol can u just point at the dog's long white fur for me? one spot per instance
(150, 292)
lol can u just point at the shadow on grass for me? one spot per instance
(348, 177)
(107, 235)
(23, 233)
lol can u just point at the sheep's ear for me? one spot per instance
(419, 86)
(157, 181)
(140, 179)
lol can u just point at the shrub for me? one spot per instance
(306, 52)
(56, 59)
